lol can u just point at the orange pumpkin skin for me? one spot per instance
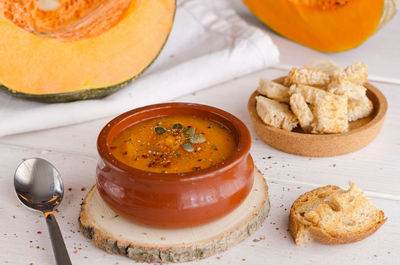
(62, 66)
(328, 26)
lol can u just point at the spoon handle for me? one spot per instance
(59, 249)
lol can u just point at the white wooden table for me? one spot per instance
(376, 169)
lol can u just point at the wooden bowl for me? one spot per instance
(175, 200)
(361, 132)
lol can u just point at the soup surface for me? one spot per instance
(173, 144)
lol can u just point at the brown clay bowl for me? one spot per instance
(175, 200)
(361, 132)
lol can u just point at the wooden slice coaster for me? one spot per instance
(117, 235)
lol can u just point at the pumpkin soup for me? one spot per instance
(173, 144)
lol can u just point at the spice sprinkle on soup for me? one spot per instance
(173, 144)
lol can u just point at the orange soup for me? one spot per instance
(173, 144)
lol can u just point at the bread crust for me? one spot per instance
(297, 224)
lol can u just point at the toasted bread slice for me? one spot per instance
(302, 111)
(273, 90)
(334, 216)
(327, 66)
(310, 94)
(330, 114)
(275, 114)
(358, 109)
(306, 76)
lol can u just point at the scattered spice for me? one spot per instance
(161, 145)
(39, 233)
(69, 189)
(83, 189)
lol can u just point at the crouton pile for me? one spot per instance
(321, 97)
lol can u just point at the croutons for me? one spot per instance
(273, 90)
(323, 97)
(331, 114)
(327, 66)
(309, 93)
(358, 109)
(355, 73)
(275, 114)
(351, 90)
(306, 76)
(302, 111)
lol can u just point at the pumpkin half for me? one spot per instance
(325, 25)
(66, 50)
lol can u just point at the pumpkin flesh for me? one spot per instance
(329, 26)
(37, 65)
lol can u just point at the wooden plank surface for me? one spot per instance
(24, 231)
(23, 234)
(72, 150)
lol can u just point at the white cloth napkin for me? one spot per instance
(209, 44)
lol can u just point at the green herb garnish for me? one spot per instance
(189, 131)
(177, 126)
(160, 130)
(188, 147)
(197, 139)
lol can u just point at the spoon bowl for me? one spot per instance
(39, 186)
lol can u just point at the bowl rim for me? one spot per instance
(380, 114)
(242, 148)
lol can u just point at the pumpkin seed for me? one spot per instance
(160, 130)
(188, 147)
(189, 131)
(177, 126)
(197, 139)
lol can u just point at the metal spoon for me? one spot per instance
(39, 186)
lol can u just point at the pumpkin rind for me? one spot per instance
(91, 93)
(93, 88)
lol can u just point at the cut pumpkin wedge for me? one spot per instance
(325, 25)
(59, 69)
